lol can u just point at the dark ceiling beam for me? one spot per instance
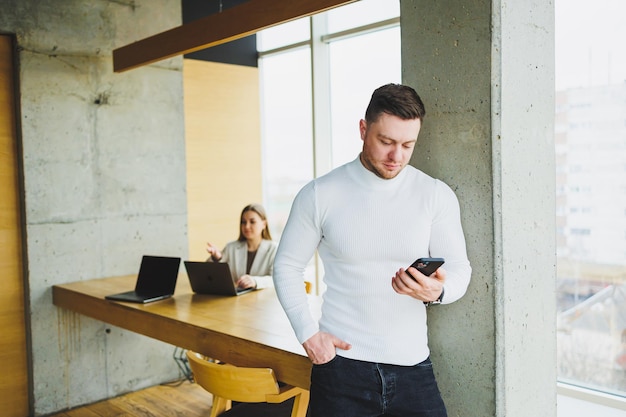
(233, 23)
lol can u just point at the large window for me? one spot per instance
(287, 131)
(317, 75)
(590, 140)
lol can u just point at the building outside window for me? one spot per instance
(590, 143)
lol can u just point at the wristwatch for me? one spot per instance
(437, 301)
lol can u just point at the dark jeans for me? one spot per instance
(350, 388)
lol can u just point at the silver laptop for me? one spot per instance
(212, 278)
(156, 280)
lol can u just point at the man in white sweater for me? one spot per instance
(370, 219)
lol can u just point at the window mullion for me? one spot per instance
(320, 84)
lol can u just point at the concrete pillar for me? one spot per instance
(486, 73)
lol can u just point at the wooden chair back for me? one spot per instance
(247, 385)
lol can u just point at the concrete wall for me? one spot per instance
(104, 178)
(486, 73)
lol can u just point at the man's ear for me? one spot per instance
(362, 128)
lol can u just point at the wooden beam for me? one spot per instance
(231, 24)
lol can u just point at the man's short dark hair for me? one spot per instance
(395, 99)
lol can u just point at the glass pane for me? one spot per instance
(285, 34)
(590, 140)
(287, 132)
(362, 13)
(358, 66)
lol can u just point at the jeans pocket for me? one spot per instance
(326, 364)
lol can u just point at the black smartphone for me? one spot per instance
(427, 265)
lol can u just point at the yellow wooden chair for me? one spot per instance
(230, 383)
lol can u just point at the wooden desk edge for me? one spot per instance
(290, 367)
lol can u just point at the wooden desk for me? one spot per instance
(248, 330)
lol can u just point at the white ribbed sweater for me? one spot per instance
(366, 228)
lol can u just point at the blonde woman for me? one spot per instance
(251, 256)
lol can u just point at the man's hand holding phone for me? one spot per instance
(422, 280)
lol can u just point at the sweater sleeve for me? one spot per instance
(447, 241)
(298, 243)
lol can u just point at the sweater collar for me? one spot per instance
(368, 178)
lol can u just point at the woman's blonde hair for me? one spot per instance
(258, 209)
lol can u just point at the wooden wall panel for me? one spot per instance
(223, 146)
(13, 357)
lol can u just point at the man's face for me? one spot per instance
(388, 144)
